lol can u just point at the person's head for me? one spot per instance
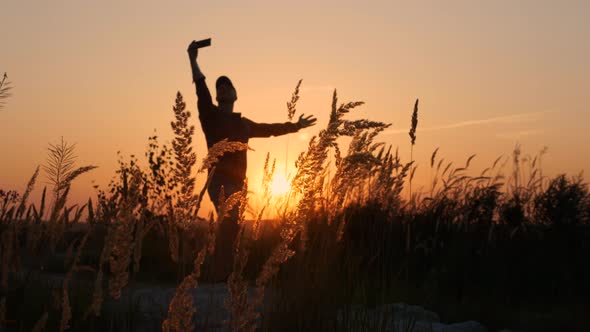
(225, 90)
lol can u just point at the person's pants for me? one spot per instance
(228, 228)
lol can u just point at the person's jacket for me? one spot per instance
(218, 125)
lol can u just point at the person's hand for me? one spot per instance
(193, 51)
(305, 122)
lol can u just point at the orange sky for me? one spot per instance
(104, 75)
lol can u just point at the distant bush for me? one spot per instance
(565, 202)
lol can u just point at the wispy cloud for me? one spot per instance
(521, 117)
(515, 135)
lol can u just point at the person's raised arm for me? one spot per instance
(278, 129)
(203, 95)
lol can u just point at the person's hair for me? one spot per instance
(223, 80)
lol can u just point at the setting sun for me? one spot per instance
(280, 185)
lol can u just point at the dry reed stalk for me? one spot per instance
(66, 309)
(55, 231)
(69, 255)
(8, 253)
(185, 159)
(160, 177)
(29, 214)
(5, 87)
(42, 207)
(384, 179)
(433, 157)
(23, 203)
(41, 323)
(90, 217)
(117, 249)
(291, 110)
(56, 295)
(412, 133)
(60, 163)
(218, 150)
(65, 185)
(281, 253)
(268, 173)
(121, 243)
(7, 210)
(433, 178)
(60, 171)
(242, 314)
(173, 238)
(516, 168)
(541, 154)
(97, 295)
(78, 213)
(311, 164)
(34, 234)
(2, 311)
(120, 257)
(383, 176)
(211, 234)
(227, 204)
(414, 123)
(181, 309)
(355, 170)
(202, 192)
(292, 105)
(140, 233)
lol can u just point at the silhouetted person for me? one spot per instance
(221, 122)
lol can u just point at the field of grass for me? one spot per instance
(506, 248)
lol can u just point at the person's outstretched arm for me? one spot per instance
(277, 129)
(204, 103)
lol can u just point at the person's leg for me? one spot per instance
(228, 228)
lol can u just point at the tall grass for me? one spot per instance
(346, 235)
(412, 133)
(5, 88)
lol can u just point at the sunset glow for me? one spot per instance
(263, 165)
(280, 185)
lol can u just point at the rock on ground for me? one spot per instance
(400, 317)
